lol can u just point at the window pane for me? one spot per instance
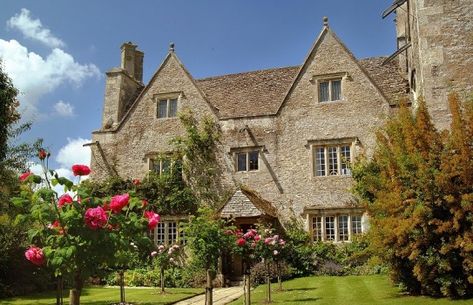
(241, 160)
(356, 224)
(317, 228)
(166, 164)
(320, 161)
(155, 166)
(172, 232)
(336, 90)
(162, 109)
(330, 228)
(253, 160)
(345, 159)
(323, 92)
(343, 227)
(172, 108)
(159, 234)
(332, 160)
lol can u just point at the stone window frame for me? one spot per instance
(246, 150)
(317, 223)
(327, 144)
(168, 96)
(329, 77)
(165, 224)
(161, 157)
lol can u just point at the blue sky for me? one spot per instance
(57, 51)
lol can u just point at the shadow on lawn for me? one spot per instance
(300, 289)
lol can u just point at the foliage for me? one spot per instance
(300, 254)
(200, 166)
(418, 191)
(80, 235)
(261, 271)
(207, 239)
(16, 276)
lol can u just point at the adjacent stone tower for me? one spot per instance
(122, 85)
(435, 50)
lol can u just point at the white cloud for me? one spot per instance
(33, 29)
(74, 153)
(36, 76)
(64, 109)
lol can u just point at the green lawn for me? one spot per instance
(346, 290)
(105, 296)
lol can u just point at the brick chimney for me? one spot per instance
(122, 85)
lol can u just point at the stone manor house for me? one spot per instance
(290, 133)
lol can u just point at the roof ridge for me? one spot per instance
(246, 72)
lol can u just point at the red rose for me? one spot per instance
(64, 199)
(136, 181)
(118, 202)
(153, 219)
(25, 176)
(35, 255)
(241, 242)
(144, 203)
(42, 154)
(80, 170)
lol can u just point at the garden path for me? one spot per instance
(221, 296)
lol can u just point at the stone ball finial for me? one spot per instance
(325, 19)
(171, 47)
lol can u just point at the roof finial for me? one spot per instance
(325, 21)
(171, 47)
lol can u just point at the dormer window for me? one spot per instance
(330, 90)
(167, 108)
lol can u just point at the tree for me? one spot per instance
(15, 276)
(208, 240)
(418, 189)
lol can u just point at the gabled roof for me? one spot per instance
(259, 93)
(247, 203)
(248, 94)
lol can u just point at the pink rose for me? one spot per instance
(64, 199)
(268, 240)
(118, 202)
(35, 255)
(153, 219)
(80, 170)
(25, 176)
(282, 242)
(154, 253)
(95, 218)
(241, 242)
(257, 238)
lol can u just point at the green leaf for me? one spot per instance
(18, 202)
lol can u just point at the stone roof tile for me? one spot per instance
(259, 93)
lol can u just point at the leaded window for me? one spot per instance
(330, 90)
(332, 160)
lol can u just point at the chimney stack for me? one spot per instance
(132, 61)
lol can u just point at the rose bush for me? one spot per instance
(78, 234)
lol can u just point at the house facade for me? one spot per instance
(288, 134)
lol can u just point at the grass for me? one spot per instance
(106, 296)
(346, 290)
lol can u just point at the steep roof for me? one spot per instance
(261, 92)
(247, 203)
(248, 94)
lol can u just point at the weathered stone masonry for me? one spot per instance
(301, 140)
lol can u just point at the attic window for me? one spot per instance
(330, 90)
(167, 108)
